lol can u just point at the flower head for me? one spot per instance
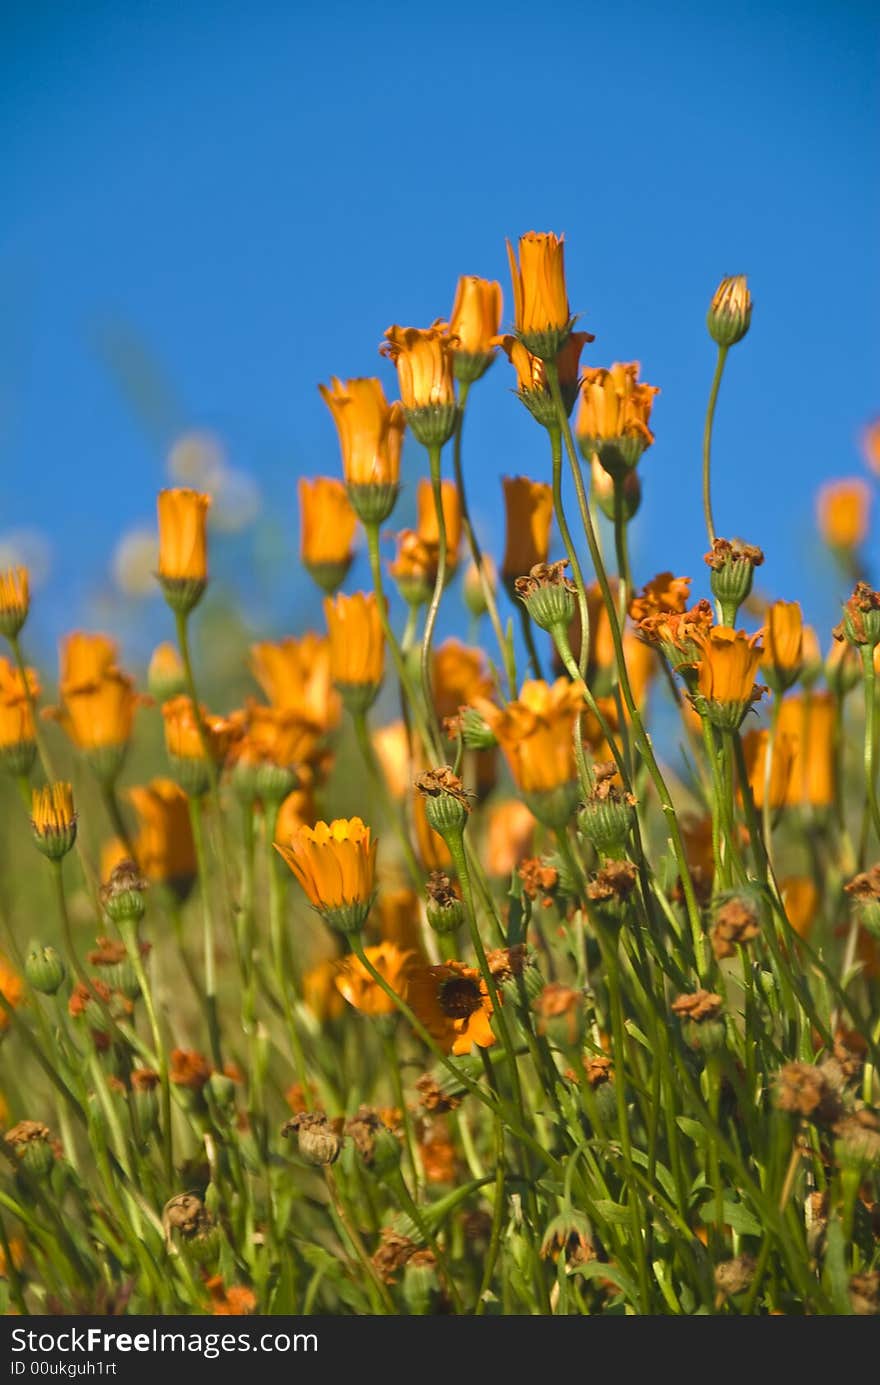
(474, 324)
(730, 311)
(17, 731)
(533, 388)
(356, 984)
(327, 525)
(371, 441)
(728, 662)
(183, 548)
(784, 644)
(98, 700)
(541, 312)
(535, 732)
(453, 1004)
(164, 845)
(529, 513)
(335, 864)
(295, 675)
(810, 723)
(53, 819)
(14, 600)
(614, 414)
(357, 646)
(424, 357)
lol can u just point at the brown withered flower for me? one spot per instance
(189, 1069)
(319, 1139)
(433, 783)
(678, 635)
(548, 595)
(392, 1254)
(433, 1098)
(698, 1006)
(440, 889)
(805, 1090)
(599, 1069)
(861, 617)
(144, 1079)
(539, 879)
(733, 1276)
(507, 963)
(613, 884)
(725, 551)
(864, 1294)
(373, 1137)
(736, 923)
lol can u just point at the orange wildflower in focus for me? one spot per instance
(842, 509)
(476, 315)
(320, 993)
(531, 375)
(11, 989)
(663, 595)
(511, 832)
(801, 899)
(357, 642)
(755, 745)
(334, 862)
(16, 718)
(615, 407)
(327, 525)
(52, 811)
(164, 845)
(358, 987)
(453, 1004)
(728, 663)
(423, 357)
(426, 519)
(182, 737)
(810, 722)
(460, 674)
(535, 732)
(540, 296)
(529, 513)
(295, 675)
(183, 552)
(236, 1301)
(370, 431)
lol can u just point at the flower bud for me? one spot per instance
(44, 969)
(145, 1099)
(701, 1015)
(54, 820)
(183, 566)
(421, 1283)
(472, 586)
(861, 617)
(733, 568)
(446, 802)
(31, 1143)
(475, 733)
(730, 311)
(548, 595)
(609, 891)
(123, 894)
(607, 816)
(14, 600)
(377, 1146)
(445, 911)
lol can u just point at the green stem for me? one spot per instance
(707, 443)
(209, 947)
(870, 683)
(439, 584)
(392, 812)
(128, 932)
(393, 1061)
(284, 978)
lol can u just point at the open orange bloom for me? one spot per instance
(728, 663)
(164, 846)
(535, 732)
(615, 408)
(423, 357)
(360, 989)
(540, 297)
(529, 513)
(511, 833)
(85, 658)
(842, 509)
(755, 744)
(664, 594)
(370, 431)
(16, 719)
(14, 599)
(453, 1004)
(183, 740)
(426, 519)
(784, 643)
(810, 723)
(476, 316)
(183, 548)
(357, 642)
(295, 675)
(327, 525)
(335, 863)
(11, 989)
(460, 674)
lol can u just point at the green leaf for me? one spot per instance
(594, 1269)
(836, 1273)
(611, 1212)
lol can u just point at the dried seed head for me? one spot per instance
(737, 922)
(804, 1090)
(319, 1139)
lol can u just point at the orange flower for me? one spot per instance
(370, 432)
(423, 357)
(164, 845)
(17, 733)
(358, 987)
(511, 831)
(357, 644)
(276, 736)
(296, 810)
(52, 810)
(784, 636)
(320, 993)
(535, 733)
(98, 700)
(14, 600)
(295, 675)
(460, 674)
(474, 324)
(614, 414)
(335, 864)
(327, 525)
(437, 1153)
(810, 722)
(842, 509)
(663, 595)
(426, 521)
(541, 312)
(454, 1006)
(183, 546)
(183, 740)
(533, 388)
(85, 659)
(755, 745)
(529, 510)
(236, 1301)
(414, 569)
(11, 989)
(728, 662)
(801, 899)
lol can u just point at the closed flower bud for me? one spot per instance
(165, 675)
(700, 1012)
(783, 645)
(474, 324)
(327, 525)
(14, 600)
(542, 316)
(318, 1140)
(18, 746)
(423, 358)
(475, 733)
(377, 1146)
(730, 311)
(607, 816)
(732, 565)
(220, 1094)
(548, 595)
(183, 556)
(445, 910)
(31, 1143)
(53, 820)
(446, 803)
(45, 970)
(472, 586)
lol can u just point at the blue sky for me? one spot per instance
(244, 196)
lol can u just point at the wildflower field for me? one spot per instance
(550, 1022)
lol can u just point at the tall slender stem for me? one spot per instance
(439, 584)
(870, 684)
(208, 941)
(128, 932)
(707, 443)
(362, 734)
